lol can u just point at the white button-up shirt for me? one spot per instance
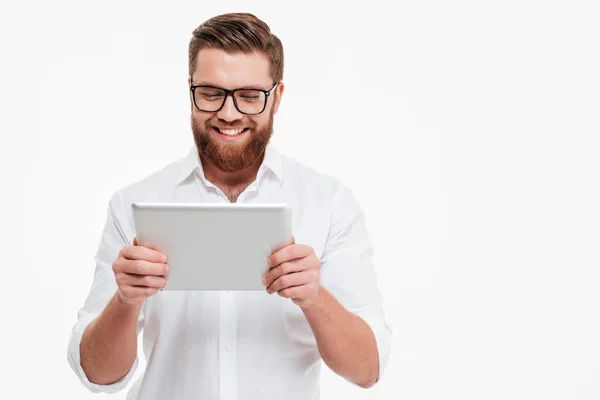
(237, 345)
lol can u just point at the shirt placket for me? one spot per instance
(228, 327)
(227, 346)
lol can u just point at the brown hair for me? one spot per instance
(238, 32)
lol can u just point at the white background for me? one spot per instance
(467, 129)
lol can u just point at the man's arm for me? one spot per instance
(345, 341)
(109, 343)
(341, 300)
(102, 348)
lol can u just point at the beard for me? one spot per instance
(232, 156)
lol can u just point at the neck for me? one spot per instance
(230, 179)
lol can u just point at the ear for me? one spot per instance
(189, 83)
(278, 93)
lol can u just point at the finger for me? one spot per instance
(143, 253)
(282, 269)
(295, 292)
(289, 280)
(143, 267)
(291, 252)
(135, 243)
(153, 281)
(138, 292)
(293, 240)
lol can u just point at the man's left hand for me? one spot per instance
(294, 274)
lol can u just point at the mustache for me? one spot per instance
(233, 125)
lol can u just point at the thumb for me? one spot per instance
(135, 241)
(293, 240)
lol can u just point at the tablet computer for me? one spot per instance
(214, 246)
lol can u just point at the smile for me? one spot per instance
(231, 132)
(230, 135)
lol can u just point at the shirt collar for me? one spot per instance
(272, 161)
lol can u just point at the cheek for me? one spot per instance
(200, 118)
(258, 120)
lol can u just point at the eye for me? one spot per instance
(210, 94)
(249, 95)
(249, 99)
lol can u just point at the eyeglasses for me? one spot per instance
(247, 101)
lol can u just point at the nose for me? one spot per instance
(228, 112)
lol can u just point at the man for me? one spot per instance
(321, 299)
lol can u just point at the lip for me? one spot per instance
(229, 138)
(230, 129)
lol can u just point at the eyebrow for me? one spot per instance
(205, 83)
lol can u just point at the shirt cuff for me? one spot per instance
(74, 358)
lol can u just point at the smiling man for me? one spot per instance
(231, 136)
(321, 300)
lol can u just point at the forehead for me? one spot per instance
(232, 70)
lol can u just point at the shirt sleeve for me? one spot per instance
(103, 288)
(347, 271)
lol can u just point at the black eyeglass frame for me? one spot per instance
(231, 93)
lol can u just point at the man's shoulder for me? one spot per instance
(314, 185)
(301, 173)
(150, 187)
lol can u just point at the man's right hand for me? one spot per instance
(140, 272)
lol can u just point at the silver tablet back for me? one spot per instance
(221, 246)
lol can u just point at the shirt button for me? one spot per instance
(228, 347)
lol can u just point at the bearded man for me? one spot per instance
(321, 300)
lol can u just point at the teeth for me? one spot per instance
(230, 132)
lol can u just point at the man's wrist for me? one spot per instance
(124, 304)
(315, 303)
